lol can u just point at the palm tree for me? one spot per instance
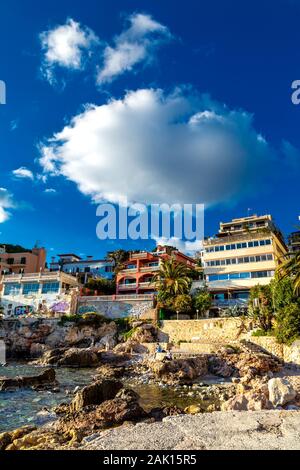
(291, 268)
(173, 278)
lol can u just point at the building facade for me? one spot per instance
(38, 293)
(294, 242)
(139, 270)
(83, 268)
(245, 252)
(32, 261)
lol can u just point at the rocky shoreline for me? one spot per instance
(251, 382)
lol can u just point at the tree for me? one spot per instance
(202, 301)
(291, 268)
(102, 285)
(183, 303)
(119, 257)
(260, 306)
(282, 292)
(287, 327)
(173, 278)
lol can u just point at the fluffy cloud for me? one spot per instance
(6, 202)
(151, 147)
(23, 172)
(135, 44)
(66, 46)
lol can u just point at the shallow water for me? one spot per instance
(20, 407)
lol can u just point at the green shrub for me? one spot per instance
(261, 332)
(287, 327)
(128, 334)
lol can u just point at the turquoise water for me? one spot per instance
(20, 407)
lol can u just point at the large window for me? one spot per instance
(245, 275)
(49, 287)
(237, 246)
(12, 288)
(240, 260)
(30, 288)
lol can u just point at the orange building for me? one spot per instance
(31, 261)
(137, 275)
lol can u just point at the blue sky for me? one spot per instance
(160, 76)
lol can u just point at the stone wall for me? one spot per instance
(116, 308)
(289, 354)
(209, 330)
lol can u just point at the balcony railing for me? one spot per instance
(230, 302)
(127, 286)
(149, 268)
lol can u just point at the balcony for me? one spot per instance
(229, 302)
(127, 286)
(146, 284)
(145, 269)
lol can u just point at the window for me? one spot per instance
(12, 288)
(268, 242)
(23, 260)
(244, 245)
(228, 247)
(255, 243)
(250, 244)
(30, 288)
(262, 242)
(244, 275)
(49, 287)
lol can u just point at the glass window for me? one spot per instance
(233, 261)
(12, 288)
(255, 243)
(222, 248)
(228, 261)
(49, 287)
(223, 277)
(217, 248)
(250, 244)
(246, 259)
(234, 276)
(239, 245)
(244, 275)
(228, 247)
(244, 245)
(252, 259)
(262, 242)
(268, 242)
(217, 262)
(30, 288)
(240, 260)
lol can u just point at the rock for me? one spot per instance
(180, 370)
(79, 358)
(6, 438)
(95, 394)
(110, 371)
(280, 391)
(239, 403)
(192, 409)
(45, 378)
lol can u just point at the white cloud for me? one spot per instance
(6, 202)
(132, 46)
(66, 46)
(50, 191)
(185, 246)
(23, 172)
(154, 148)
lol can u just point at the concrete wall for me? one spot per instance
(116, 308)
(214, 330)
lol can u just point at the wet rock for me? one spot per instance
(280, 391)
(36, 381)
(95, 393)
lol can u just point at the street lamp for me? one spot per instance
(177, 311)
(197, 314)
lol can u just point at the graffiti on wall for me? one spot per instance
(60, 307)
(115, 309)
(23, 310)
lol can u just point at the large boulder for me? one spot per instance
(95, 393)
(77, 357)
(46, 378)
(180, 370)
(280, 391)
